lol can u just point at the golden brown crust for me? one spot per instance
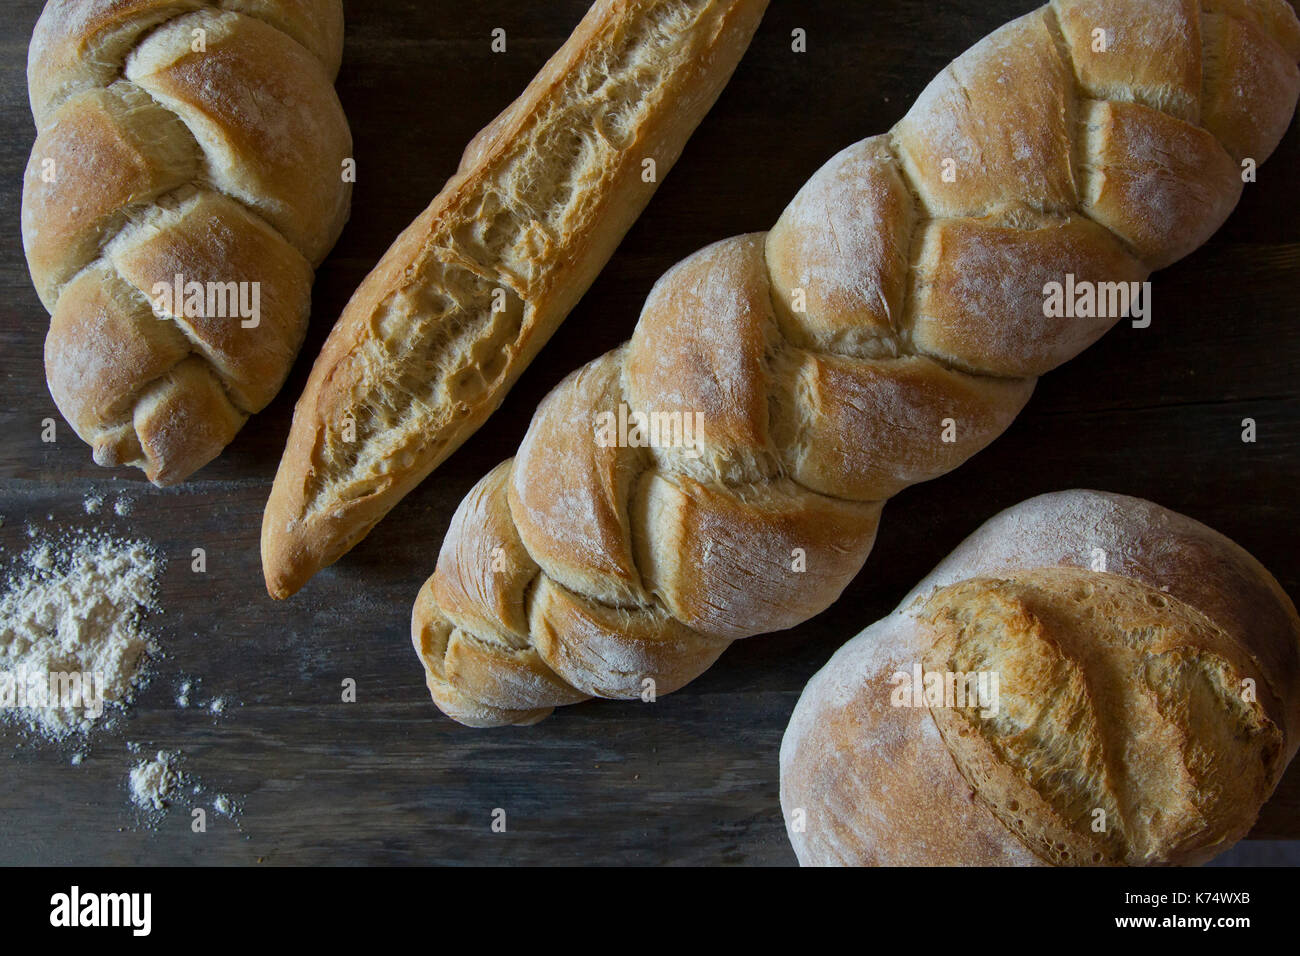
(483, 594)
(461, 303)
(182, 421)
(180, 139)
(207, 239)
(701, 350)
(78, 45)
(486, 575)
(995, 129)
(1162, 209)
(971, 317)
(893, 322)
(433, 635)
(842, 244)
(131, 152)
(1150, 54)
(1152, 545)
(732, 566)
(1240, 56)
(568, 501)
(846, 761)
(616, 652)
(867, 428)
(1141, 714)
(286, 163)
(1114, 697)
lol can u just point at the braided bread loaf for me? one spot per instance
(180, 142)
(889, 326)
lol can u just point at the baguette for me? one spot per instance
(437, 334)
(1141, 714)
(890, 326)
(182, 146)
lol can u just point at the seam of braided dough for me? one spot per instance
(126, 223)
(897, 343)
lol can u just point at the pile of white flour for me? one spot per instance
(75, 603)
(153, 781)
(75, 606)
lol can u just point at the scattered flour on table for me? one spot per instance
(76, 603)
(72, 631)
(158, 785)
(154, 781)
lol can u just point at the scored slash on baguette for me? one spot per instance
(437, 334)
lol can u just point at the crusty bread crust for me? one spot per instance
(890, 325)
(1121, 690)
(437, 334)
(179, 138)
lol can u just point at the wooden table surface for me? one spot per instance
(693, 778)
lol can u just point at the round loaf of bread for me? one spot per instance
(1089, 679)
(187, 179)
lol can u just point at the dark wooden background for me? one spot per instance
(693, 778)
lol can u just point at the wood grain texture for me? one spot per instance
(691, 779)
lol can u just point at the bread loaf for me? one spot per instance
(889, 326)
(1141, 714)
(437, 334)
(186, 180)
